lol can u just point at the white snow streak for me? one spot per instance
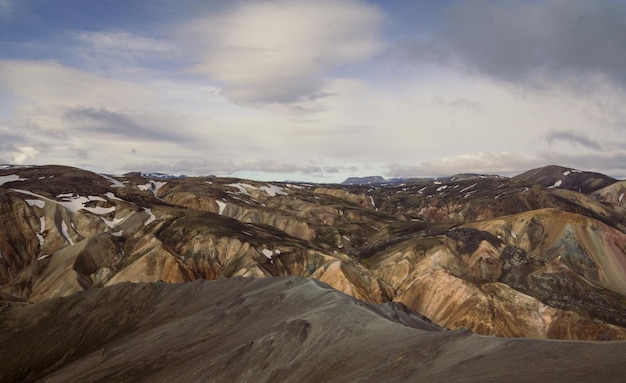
(268, 253)
(35, 202)
(11, 178)
(153, 186)
(556, 184)
(242, 187)
(151, 218)
(372, 201)
(111, 223)
(273, 190)
(113, 197)
(114, 183)
(76, 203)
(467, 188)
(65, 233)
(221, 205)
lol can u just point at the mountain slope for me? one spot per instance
(566, 178)
(265, 330)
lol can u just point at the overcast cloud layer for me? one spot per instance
(314, 90)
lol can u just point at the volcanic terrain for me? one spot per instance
(364, 268)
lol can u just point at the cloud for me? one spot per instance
(50, 83)
(118, 50)
(573, 138)
(106, 122)
(502, 163)
(58, 112)
(279, 51)
(17, 154)
(526, 41)
(116, 41)
(267, 169)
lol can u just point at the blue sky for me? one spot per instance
(314, 90)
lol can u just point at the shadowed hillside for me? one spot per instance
(268, 330)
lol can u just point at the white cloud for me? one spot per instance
(280, 51)
(24, 154)
(119, 53)
(502, 163)
(47, 83)
(116, 41)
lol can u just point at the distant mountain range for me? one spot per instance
(548, 176)
(424, 263)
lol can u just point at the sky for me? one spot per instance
(316, 90)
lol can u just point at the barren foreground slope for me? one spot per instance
(267, 330)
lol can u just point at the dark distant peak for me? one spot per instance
(554, 176)
(157, 175)
(372, 180)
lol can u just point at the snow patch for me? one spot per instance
(151, 218)
(111, 223)
(42, 224)
(35, 202)
(43, 257)
(469, 194)
(40, 238)
(556, 184)
(66, 235)
(273, 190)
(112, 196)
(153, 186)
(372, 201)
(268, 253)
(11, 178)
(114, 183)
(566, 173)
(468, 188)
(242, 187)
(117, 233)
(221, 205)
(621, 198)
(440, 188)
(76, 203)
